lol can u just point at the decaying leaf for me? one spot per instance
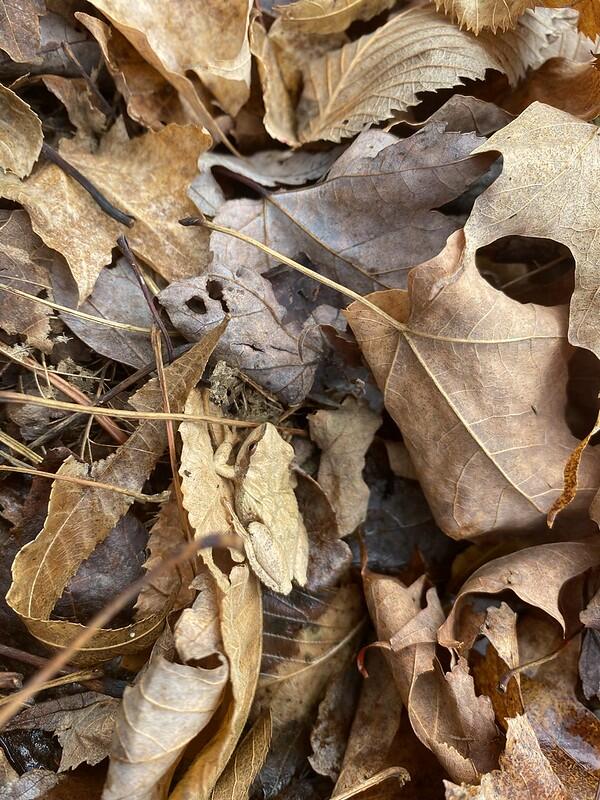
(461, 344)
(329, 16)
(170, 704)
(20, 28)
(80, 517)
(363, 81)
(344, 437)
(20, 134)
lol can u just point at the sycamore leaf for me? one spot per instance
(172, 701)
(370, 219)
(489, 376)
(382, 72)
(20, 29)
(81, 517)
(344, 436)
(536, 575)
(137, 175)
(524, 771)
(20, 134)
(546, 190)
(329, 16)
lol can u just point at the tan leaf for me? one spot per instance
(369, 220)
(137, 175)
(344, 436)
(79, 518)
(151, 99)
(329, 16)
(536, 575)
(80, 103)
(494, 373)
(236, 780)
(477, 15)
(20, 29)
(22, 266)
(203, 40)
(589, 14)
(169, 705)
(446, 714)
(524, 772)
(546, 189)
(340, 94)
(20, 134)
(240, 612)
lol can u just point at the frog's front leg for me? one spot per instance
(267, 558)
(222, 456)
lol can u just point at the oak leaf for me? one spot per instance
(464, 354)
(81, 517)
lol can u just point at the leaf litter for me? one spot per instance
(299, 498)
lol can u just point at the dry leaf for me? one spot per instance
(117, 296)
(524, 772)
(546, 189)
(23, 265)
(344, 436)
(365, 80)
(536, 575)
(83, 724)
(370, 220)
(588, 11)
(42, 569)
(489, 376)
(463, 113)
(151, 99)
(170, 704)
(34, 784)
(81, 105)
(236, 780)
(20, 28)
(20, 133)
(476, 15)
(329, 16)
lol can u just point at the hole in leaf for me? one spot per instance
(215, 292)
(196, 305)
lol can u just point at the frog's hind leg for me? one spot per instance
(223, 454)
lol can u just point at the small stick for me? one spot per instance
(106, 206)
(132, 261)
(105, 106)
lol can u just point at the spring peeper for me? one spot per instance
(265, 504)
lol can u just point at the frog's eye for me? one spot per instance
(252, 448)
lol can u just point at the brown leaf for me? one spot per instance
(340, 96)
(137, 175)
(524, 772)
(370, 220)
(20, 134)
(23, 265)
(83, 723)
(20, 28)
(463, 353)
(81, 105)
(464, 113)
(477, 15)
(525, 145)
(34, 784)
(170, 703)
(329, 16)
(236, 780)
(80, 518)
(344, 436)
(536, 575)
(443, 708)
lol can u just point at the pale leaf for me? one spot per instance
(236, 780)
(329, 16)
(20, 134)
(20, 29)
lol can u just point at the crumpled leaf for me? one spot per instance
(536, 575)
(370, 220)
(20, 28)
(23, 265)
(341, 97)
(151, 99)
(81, 517)
(170, 703)
(83, 724)
(236, 780)
(116, 296)
(281, 356)
(205, 41)
(329, 16)
(20, 133)
(589, 15)
(558, 153)
(344, 436)
(494, 373)
(523, 768)
(446, 714)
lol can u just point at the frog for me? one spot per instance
(266, 510)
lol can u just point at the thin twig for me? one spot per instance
(132, 261)
(105, 106)
(19, 447)
(80, 676)
(106, 206)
